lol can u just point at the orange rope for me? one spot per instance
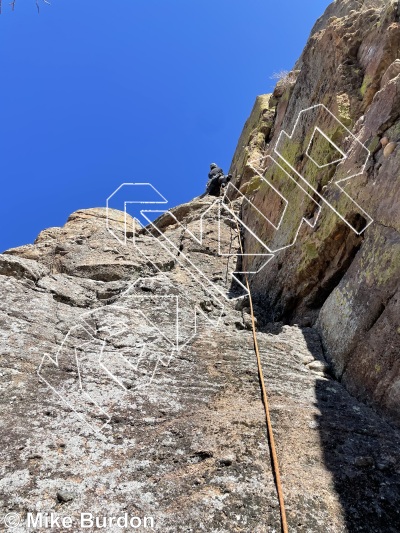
(271, 439)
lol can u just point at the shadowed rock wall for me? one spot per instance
(344, 283)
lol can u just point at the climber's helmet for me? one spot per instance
(213, 165)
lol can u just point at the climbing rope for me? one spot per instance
(271, 439)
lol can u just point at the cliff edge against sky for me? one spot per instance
(341, 279)
(106, 407)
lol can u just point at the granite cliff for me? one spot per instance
(91, 423)
(334, 276)
(106, 407)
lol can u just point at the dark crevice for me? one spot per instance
(329, 285)
(379, 313)
(68, 301)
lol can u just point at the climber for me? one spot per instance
(215, 171)
(217, 183)
(214, 175)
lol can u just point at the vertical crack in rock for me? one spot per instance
(183, 434)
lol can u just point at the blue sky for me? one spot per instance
(99, 93)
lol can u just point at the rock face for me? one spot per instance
(129, 381)
(327, 271)
(102, 414)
